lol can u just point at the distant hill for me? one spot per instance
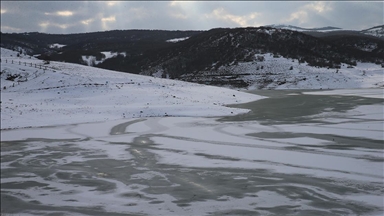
(71, 47)
(377, 31)
(211, 51)
(295, 28)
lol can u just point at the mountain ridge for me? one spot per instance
(296, 28)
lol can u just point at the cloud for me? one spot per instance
(356, 15)
(243, 21)
(88, 16)
(108, 19)
(112, 3)
(138, 13)
(176, 9)
(178, 15)
(64, 13)
(301, 16)
(60, 13)
(44, 24)
(87, 21)
(319, 7)
(183, 10)
(9, 29)
(176, 3)
(63, 26)
(47, 24)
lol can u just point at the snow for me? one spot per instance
(368, 47)
(175, 40)
(303, 76)
(56, 45)
(109, 54)
(377, 31)
(69, 93)
(12, 55)
(91, 60)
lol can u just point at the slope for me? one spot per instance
(223, 54)
(64, 93)
(377, 31)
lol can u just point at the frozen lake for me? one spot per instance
(293, 154)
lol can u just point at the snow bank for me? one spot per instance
(57, 45)
(175, 40)
(91, 60)
(70, 93)
(12, 55)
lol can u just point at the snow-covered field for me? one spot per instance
(70, 93)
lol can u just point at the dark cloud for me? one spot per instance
(88, 16)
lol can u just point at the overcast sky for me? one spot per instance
(89, 16)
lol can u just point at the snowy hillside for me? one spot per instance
(272, 72)
(66, 93)
(377, 31)
(224, 52)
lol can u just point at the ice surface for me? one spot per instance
(369, 93)
(155, 147)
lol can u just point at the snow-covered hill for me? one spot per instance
(220, 51)
(37, 94)
(377, 31)
(63, 93)
(272, 72)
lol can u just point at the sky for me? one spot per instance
(64, 17)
